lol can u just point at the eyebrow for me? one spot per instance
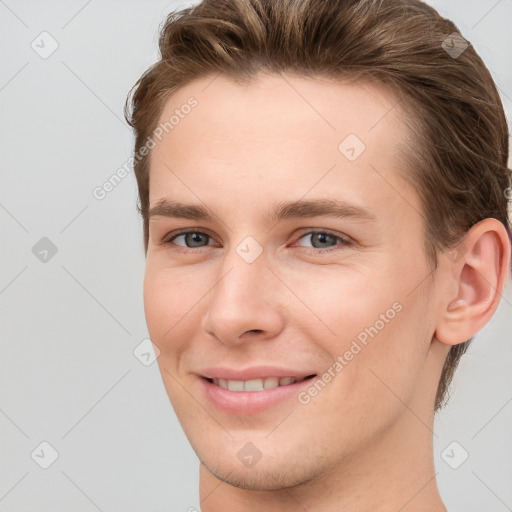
(280, 211)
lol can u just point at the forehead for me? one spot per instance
(305, 106)
(277, 133)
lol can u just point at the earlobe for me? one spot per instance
(480, 276)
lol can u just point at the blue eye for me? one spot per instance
(324, 237)
(194, 238)
(323, 241)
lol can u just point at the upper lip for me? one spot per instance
(254, 372)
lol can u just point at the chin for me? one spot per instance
(264, 476)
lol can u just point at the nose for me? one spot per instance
(246, 302)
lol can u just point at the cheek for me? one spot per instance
(375, 325)
(392, 361)
(344, 304)
(169, 306)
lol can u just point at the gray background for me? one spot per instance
(70, 325)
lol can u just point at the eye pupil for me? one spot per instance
(192, 238)
(322, 238)
(319, 239)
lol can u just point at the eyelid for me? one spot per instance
(345, 240)
(308, 231)
(335, 234)
(169, 237)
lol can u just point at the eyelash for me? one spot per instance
(345, 242)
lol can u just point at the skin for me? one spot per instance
(364, 442)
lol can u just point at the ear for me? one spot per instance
(478, 270)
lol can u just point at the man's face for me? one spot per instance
(249, 297)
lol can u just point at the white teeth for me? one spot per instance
(255, 384)
(271, 382)
(235, 385)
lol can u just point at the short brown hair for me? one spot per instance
(457, 159)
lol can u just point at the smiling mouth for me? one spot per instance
(257, 384)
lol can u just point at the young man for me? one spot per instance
(323, 187)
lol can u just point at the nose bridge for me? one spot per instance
(240, 298)
(243, 267)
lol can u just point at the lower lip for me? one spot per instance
(250, 402)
